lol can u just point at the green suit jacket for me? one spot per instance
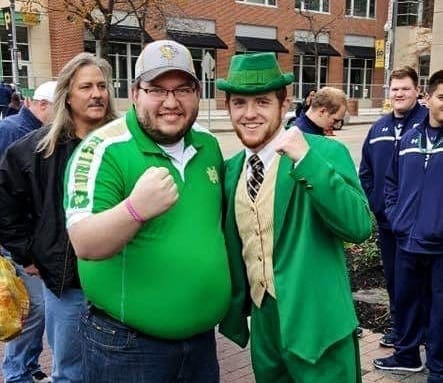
(318, 205)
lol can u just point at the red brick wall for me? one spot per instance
(67, 38)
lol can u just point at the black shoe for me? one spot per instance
(388, 340)
(391, 363)
(359, 332)
(40, 377)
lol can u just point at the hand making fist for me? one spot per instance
(154, 192)
(292, 143)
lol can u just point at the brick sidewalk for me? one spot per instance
(235, 363)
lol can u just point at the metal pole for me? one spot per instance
(15, 79)
(390, 27)
(394, 28)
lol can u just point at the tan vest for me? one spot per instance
(255, 222)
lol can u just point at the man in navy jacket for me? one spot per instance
(38, 113)
(315, 119)
(377, 152)
(414, 192)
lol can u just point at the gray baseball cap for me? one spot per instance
(162, 56)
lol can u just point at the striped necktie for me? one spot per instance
(256, 178)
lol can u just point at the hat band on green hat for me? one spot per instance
(253, 77)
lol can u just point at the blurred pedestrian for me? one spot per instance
(14, 105)
(5, 98)
(324, 112)
(306, 103)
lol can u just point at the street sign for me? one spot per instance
(208, 66)
(7, 18)
(379, 53)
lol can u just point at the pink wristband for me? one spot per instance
(137, 217)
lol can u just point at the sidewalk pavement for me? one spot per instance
(235, 363)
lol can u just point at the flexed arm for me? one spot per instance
(103, 234)
(324, 169)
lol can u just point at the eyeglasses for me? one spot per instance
(162, 94)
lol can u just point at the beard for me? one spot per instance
(258, 141)
(161, 137)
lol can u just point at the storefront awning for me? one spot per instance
(324, 49)
(360, 52)
(127, 34)
(198, 40)
(256, 44)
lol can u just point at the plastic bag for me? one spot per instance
(14, 301)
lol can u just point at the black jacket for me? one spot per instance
(32, 220)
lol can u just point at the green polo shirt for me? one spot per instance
(172, 279)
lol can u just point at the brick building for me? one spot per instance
(214, 31)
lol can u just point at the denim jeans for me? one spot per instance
(21, 354)
(113, 352)
(62, 328)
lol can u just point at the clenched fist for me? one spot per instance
(154, 192)
(292, 143)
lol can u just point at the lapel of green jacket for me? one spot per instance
(232, 175)
(284, 188)
(234, 325)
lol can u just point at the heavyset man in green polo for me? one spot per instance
(292, 200)
(143, 203)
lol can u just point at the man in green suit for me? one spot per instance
(292, 200)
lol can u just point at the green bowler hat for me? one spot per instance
(254, 73)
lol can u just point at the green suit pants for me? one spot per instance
(339, 364)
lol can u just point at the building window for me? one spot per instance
(122, 57)
(423, 71)
(312, 5)
(360, 8)
(304, 72)
(260, 2)
(357, 73)
(407, 12)
(415, 12)
(23, 56)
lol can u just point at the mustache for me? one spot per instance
(96, 103)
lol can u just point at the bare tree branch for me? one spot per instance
(317, 26)
(97, 16)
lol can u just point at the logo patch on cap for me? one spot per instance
(168, 52)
